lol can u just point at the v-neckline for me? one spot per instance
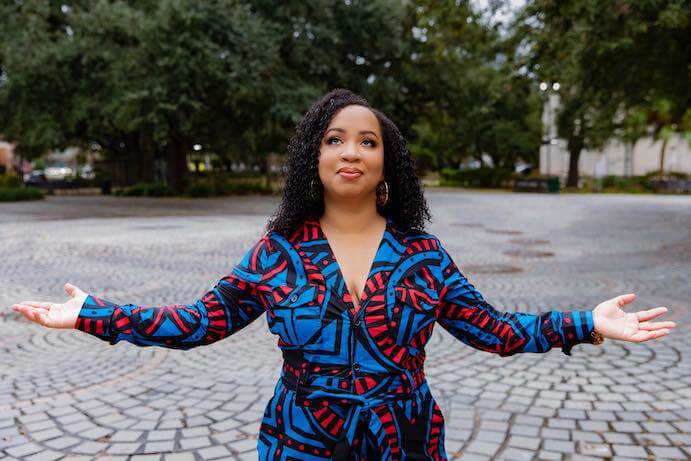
(370, 273)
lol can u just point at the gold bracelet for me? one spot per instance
(597, 337)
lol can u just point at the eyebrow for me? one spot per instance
(361, 132)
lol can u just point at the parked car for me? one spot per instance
(35, 177)
(58, 172)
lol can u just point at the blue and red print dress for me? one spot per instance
(352, 385)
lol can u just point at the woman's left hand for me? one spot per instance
(612, 322)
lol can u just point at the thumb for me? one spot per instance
(621, 300)
(71, 289)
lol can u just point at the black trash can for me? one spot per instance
(553, 184)
(106, 185)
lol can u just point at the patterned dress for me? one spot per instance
(352, 385)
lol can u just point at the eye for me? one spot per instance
(371, 141)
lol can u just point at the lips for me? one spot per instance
(349, 170)
(349, 174)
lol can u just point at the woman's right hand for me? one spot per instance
(54, 315)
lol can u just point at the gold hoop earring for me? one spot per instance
(382, 201)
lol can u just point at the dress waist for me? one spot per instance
(312, 384)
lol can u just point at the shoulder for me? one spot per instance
(420, 237)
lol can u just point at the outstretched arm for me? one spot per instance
(465, 313)
(233, 303)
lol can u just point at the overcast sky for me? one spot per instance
(506, 12)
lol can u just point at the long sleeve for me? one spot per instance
(465, 313)
(233, 303)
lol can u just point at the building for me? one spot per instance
(615, 158)
(7, 158)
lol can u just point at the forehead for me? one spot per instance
(355, 117)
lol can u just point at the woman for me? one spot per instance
(353, 311)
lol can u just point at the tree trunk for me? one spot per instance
(663, 151)
(176, 165)
(575, 145)
(146, 159)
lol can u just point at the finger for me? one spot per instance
(651, 326)
(643, 335)
(71, 289)
(38, 304)
(622, 300)
(24, 309)
(651, 313)
(29, 312)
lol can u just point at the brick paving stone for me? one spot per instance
(125, 436)
(23, 450)
(159, 447)
(549, 455)
(123, 448)
(45, 455)
(180, 457)
(214, 452)
(667, 452)
(241, 446)
(590, 448)
(62, 442)
(631, 451)
(483, 448)
(530, 443)
(516, 454)
(194, 442)
(562, 446)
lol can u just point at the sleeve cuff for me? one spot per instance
(576, 328)
(95, 317)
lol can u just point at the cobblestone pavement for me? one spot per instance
(66, 395)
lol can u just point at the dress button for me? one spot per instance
(294, 298)
(356, 322)
(356, 367)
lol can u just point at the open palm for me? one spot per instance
(612, 322)
(54, 315)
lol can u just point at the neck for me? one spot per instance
(351, 217)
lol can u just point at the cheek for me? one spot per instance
(324, 162)
(377, 166)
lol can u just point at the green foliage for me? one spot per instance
(634, 184)
(140, 80)
(11, 180)
(622, 66)
(480, 177)
(472, 95)
(217, 185)
(12, 194)
(143, 189)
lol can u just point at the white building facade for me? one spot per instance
(615, 158)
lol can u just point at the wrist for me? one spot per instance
(596, 336)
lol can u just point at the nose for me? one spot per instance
(350, 151)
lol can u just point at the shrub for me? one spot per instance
(143, 189)
(245, 188)
(479, 177)
(202, 189)
(10, 180)
(12, 194)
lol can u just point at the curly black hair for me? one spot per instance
(406, 204)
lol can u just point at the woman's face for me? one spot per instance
(351, 155)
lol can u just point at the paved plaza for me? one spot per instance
(65, 395)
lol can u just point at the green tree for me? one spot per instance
(616, 60)
(472, 98)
